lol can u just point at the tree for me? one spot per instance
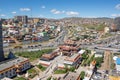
(82, 74)
(84, 56)
(98, 60)
(72, 69)
(49, 78)
(66, 68)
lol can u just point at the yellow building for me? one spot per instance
(114, 78)
(35, 20)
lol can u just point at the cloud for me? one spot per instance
(14, 12)
(2, 15)
(43, 7)
(72, 13)
(25, 9)
(115, 15)
(54, 11)
(40, 15)
(117, 6)
(69, 13)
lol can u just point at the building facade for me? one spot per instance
(1, 43)
(13, 67)
(74, 60)
(23, 19)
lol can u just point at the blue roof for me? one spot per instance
(118, 61)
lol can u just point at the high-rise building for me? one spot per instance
(1, 43)
(23, 19)
(117, 23)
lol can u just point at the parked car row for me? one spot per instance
(34, 46)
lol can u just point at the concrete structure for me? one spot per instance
(1, 43)
(12, 67)
(71, 76)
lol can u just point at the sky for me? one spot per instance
(60, 8)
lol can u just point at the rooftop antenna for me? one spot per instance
(31, 12)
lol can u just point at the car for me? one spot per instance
(39, 45)
(118, 50)
(35, 46)
(95, 47)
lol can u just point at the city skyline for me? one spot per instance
(60, 8)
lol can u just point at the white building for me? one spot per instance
(106, 29)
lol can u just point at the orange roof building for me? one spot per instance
(49, 56)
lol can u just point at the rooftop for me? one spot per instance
(71, 76)
(67, 48)
(81, 51)
(69, 42)
(73, 57)
(118, 61)
(114, 78)
(49, 56)
(9, 63)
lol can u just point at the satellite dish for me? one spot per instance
(115, 58)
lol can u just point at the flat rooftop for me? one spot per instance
(70, 76)
(73, 56)
(118, 61)
(8, 63)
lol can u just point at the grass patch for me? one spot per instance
(98, 27)
(106, 35)
(41, 67)
(20, 78)
(34, 54)
(60, 71)
(32, 73)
